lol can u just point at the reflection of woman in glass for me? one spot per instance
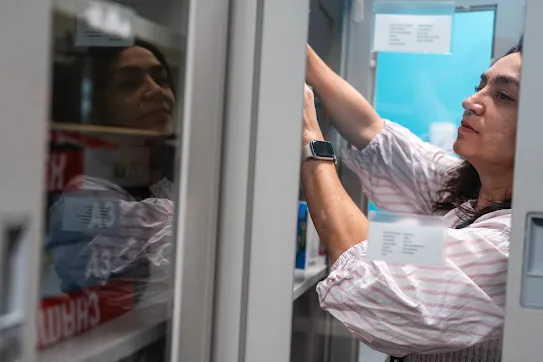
(132, 87)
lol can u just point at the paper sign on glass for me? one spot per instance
(409, 239)
(91, 212)
(102, 23)
(413, 33)
(413, 26)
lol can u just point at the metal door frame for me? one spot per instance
(522, 337)
(24, 106)
(260, 184)
(199, 174)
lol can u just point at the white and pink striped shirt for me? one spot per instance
(428, 314)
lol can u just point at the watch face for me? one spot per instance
(323, 149)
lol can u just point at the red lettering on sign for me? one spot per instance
(65, 316)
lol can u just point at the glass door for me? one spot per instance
(128, 251)
(316, 335)
(417, 90)
(441, 81)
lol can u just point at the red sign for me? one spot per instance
(65, 316)
(62, 166)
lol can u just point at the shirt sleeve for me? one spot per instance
(400, 309)
(398, 171)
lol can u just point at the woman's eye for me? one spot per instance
(478, 88)
(504, 97)
(129, 83)
(161, 80)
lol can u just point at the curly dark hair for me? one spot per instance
(463, 184)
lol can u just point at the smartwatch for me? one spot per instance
(319, 150)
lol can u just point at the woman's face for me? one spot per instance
(487, 135)
(138, 94)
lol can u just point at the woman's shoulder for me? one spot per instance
(499, 217)
(396, 143)
(495, 225)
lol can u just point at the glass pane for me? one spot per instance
(430, 88)
(107, 266)
(316, 335)
(407, 288)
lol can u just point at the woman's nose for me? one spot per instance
(153, 89)
(471, 104)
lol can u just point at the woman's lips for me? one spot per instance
(158, 112)
(466, 128)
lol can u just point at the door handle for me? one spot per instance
(13, 256)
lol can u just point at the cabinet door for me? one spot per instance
(23, 75)
(362, 67)
(131, 189)
(259, 190)
(523, 317)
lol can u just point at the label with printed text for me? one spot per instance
(406, 243)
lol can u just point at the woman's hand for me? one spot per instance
(312, 129)
(339, 222)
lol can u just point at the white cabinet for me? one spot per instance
(112, 128)
(149, 192)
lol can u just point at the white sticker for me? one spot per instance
(99, 264)
(412, 33)
(101, 23)
(126, 167)
(402, 242)
(92, 212)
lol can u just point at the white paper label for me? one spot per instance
(126, 167)
(91, 213)
(100, 23)
(412, 33)
(404, 243)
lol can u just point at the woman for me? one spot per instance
(129, 247)
(132, 87)
(451, 313)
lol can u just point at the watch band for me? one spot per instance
(308, 153)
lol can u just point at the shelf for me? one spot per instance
(144, 29)
(113, 340)
(323, 326)
(112, 130)
(303, 280)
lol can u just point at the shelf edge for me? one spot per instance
(83, 348)
(312, 276)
